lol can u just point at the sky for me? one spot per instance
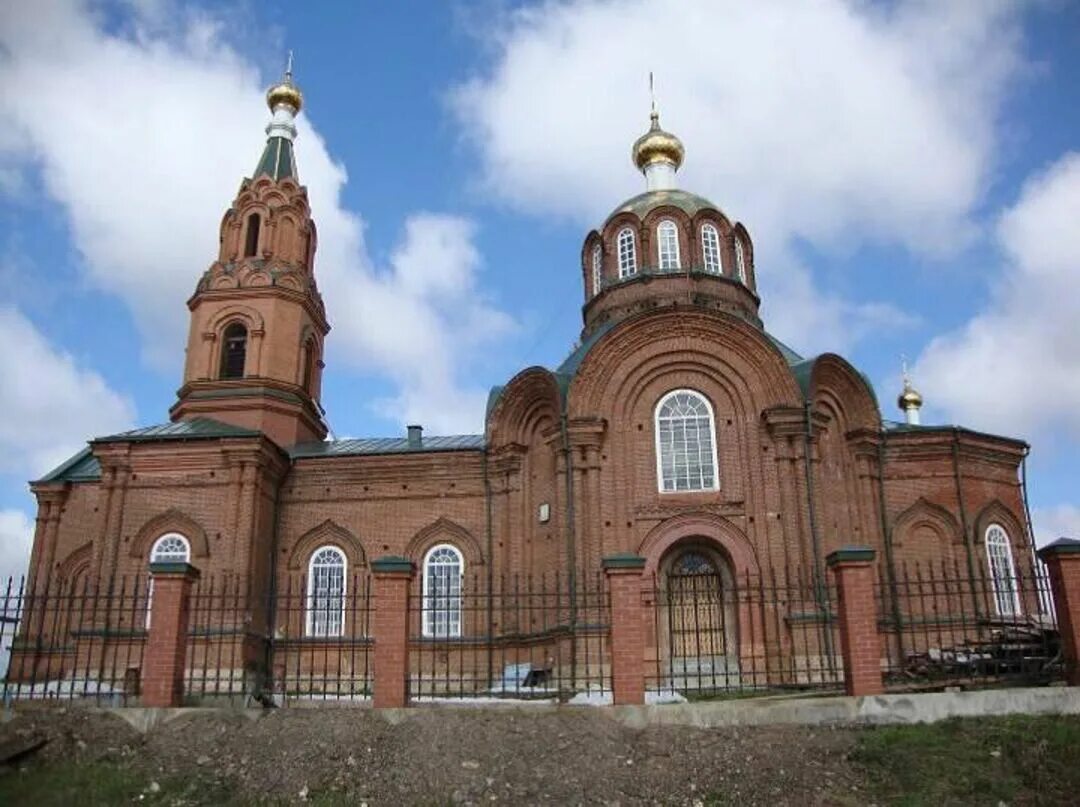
(909, 172)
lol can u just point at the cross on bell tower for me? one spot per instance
(258, 323)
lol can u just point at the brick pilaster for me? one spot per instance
(166, 647)
(624, 574)
(390, 629)
(1062, 559)
(859, 640)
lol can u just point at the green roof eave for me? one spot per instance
(82, 467)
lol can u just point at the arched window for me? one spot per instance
(740, 260)
(667, 245)
(443, 570)
(1002, 572)
(597, 268)
(234, 351)
(627, 253)
(326, 592)
(251, 242)
(685, 442)
(308, 377)
(710, 248)
(172, 547)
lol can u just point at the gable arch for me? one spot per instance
(995, 512)
(832, 378)
(172, 520)
(924, 515)
(530, 397)
(327, 533)
(699, 526)
(445, 531)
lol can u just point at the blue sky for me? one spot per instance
(909, 171)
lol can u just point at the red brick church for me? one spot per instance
(678, 431)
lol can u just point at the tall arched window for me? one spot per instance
(1002, 572)
(172, 547)
(443, 570)
(251, 242)
(740, 260)
(308, 377)
(685, 442)
(710, 248)
(597, 268)
(234, 351)
(667, 245)
(627, 252)
(326, 592)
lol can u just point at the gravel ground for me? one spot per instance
(456, 756)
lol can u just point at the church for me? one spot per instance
(678, 431)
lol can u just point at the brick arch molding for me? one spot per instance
(170, 521)
(445, 531)
(328, 532)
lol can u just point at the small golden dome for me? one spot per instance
(285, 92)
(909, 398)
(656, 145)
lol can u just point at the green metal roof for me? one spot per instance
(83, 467)
(277, 160)
(387, 445)
(194, 429)
(641, 204)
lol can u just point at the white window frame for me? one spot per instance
(710, 249)
(999, 560)
(453, 627)
(312, 626)
(597, 268)
(667, 245)
(660, 481)
(158, 556)
(740, 259)
(627, 245)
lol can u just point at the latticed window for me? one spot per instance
(627, 253)
(740, 259)
(169, 548)
(710, 248)
(443, 569)
(597, 268)
(685, 442)
(234, 351)
(1002, 572)
(326, 593)
(667, 245)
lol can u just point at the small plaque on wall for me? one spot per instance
(544, 513)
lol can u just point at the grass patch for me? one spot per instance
(101, 783)
(973, 761)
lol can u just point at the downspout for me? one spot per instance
(890, 561)
(1036, 578)
(490, 566)
(571, 546)
(963, 519)
(814, 540)
(261, 694)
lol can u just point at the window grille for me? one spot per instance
(740, 260)
(169, 548)
(710, 249)
(443, 569)
(326, 593)
(1002, 572)
(627, 253)
(685, 442)
(667, 245)
(597, 268)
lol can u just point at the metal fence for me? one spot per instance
(519, 636)
(943, 626)
(720, 635)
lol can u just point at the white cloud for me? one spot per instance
(1051, 523)
(16, 535)
(832, 122)
(50, 404)
(146, 169)
(1015, 367)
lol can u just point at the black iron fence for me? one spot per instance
(941, 625)
(719, 635)
(519, 636)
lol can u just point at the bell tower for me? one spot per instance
(258, 323)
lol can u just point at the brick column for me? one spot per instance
(859, 640)
(627, 628)
(166, 647)
(390, 629)
(1062, 559)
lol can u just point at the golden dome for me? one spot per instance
(909, 398)
(656, 145)
(285, 92)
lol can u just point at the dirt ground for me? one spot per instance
(443, 756)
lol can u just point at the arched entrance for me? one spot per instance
(699, 632)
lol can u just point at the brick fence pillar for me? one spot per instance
(166, 646)
(859, 640)
(390, 629)
(624, 574)
(1062, 559)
